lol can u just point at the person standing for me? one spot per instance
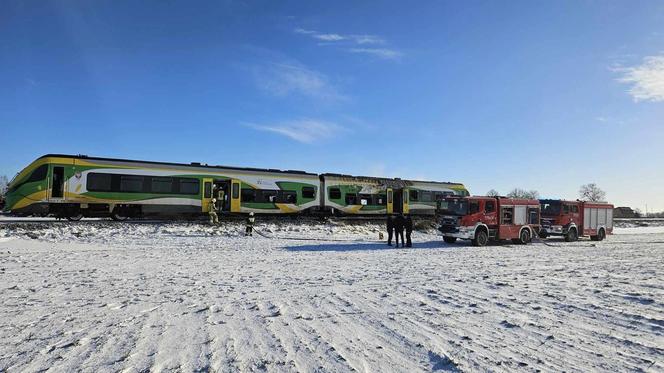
(249, 231)
(409, 230)
(390, 229)
(398, 227)
(212, 211)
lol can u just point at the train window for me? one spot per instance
(268, 196)
(236, 191)
(248, 195)
(335, 193)
(39, 174)
(489, 206)
(351, 199)
(389, 196)
(575, 209)
(380, 200)
(427, 196)
(367, 198)
(308, 192)
(99, 182)
(131, 183)
(414, 195)
(288, 196)
(191, 186)
(161, 185)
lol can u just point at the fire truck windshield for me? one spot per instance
(454, 206)
(550, 208)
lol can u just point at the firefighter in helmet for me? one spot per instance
(214, 219)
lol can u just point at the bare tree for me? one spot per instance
(4, 182)
(522, 193)
(3, 190)
(637, 213)
(591, 192)
(492, 193)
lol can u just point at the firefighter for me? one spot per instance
(398, 228)
(214, 219)
(390, 229)
(409, 230)
(250, 225)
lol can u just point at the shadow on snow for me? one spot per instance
(368, 246)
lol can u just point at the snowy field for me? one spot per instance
(103, 297)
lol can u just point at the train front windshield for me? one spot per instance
(454, 206)
(550, 208)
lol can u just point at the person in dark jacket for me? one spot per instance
(398, 228)
(390, 229)
(409, 230)
(249, 230)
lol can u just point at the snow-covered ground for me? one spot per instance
(99, 296)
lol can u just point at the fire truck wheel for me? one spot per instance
(481, 238)
(601, 235)
(449, 239)
(524, 236)
(571, 235)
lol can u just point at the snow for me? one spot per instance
(102, 296)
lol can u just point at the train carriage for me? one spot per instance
(362, 195)
(76, 186)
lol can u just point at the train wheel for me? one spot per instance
(449, 239)
(75, 217)
(117, 217)
(524, 236)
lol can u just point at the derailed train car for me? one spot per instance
(76, 186)
(379, 196)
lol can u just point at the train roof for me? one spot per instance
(192, 164)
(386, 179)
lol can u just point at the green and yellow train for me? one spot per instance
(76, 186)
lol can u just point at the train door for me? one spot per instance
(58, 182)
(207, 195)
(390, 201)
(406, 207)
(235, 196)
(221, 191)
(398, 201)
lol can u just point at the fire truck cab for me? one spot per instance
(481, 219)
(573, 219)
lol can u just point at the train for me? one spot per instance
(77, 186)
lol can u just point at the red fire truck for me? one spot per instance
(572, 219)
(480, 219)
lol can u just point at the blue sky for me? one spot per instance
(539, 95)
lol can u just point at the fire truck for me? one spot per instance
(573, 219)
(484, 219)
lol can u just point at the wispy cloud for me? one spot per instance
(387, 54)
(646, 80)
(354, 43)
(332, 37)
(282, 79)
(303, 130)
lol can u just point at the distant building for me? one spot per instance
(624, 212)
